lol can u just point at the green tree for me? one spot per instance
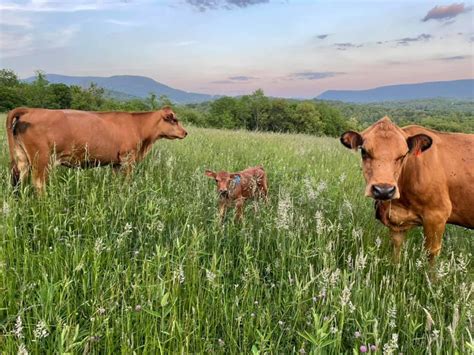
(61, 94)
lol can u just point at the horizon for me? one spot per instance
(313, 47)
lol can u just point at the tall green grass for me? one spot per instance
(104, 264)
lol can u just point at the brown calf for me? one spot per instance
(38, 138)
(238, 187)
(417, 177)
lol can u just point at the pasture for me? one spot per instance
(103, 264)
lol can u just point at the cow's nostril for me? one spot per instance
(383, 192)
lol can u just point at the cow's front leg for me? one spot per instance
(433, 230)
(222, 210)
(127, 162)
(398, 238)
(239, 209)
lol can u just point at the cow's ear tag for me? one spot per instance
(237, 179)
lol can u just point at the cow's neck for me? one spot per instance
(147, 128)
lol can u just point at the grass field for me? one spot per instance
(108, 265)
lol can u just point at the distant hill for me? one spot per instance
(455, 89)
(129, 86)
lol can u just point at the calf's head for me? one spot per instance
(224, 181)
(384, 148)
(169, 126)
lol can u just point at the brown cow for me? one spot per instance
(418, 177)
(40, 137)
(238, 187)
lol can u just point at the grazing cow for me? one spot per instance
(418, 177)
(40, 137)
(238, 187)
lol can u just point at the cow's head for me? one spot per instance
(384, 148)
(169, 126)
(224, 181)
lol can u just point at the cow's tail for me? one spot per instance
(12, 119)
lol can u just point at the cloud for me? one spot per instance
(454, 58)
(346, 45)
(204, 5)
(121, 23)
(442, 13)
(322, 36)
(242, 78)
(312, 75)
(235, 80)
(407, 40)
(59, 6)
(19, 43)
(184, 43)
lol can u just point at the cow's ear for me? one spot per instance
(210, 174)
(351, 140)
(419, 143)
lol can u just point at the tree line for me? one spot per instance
(251, 112)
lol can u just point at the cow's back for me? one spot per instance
(450, 162)
(74, 134)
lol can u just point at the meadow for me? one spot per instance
(105, 264)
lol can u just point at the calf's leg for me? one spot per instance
(398, 238)
(239, 209)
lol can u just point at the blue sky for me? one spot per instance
(291, 48)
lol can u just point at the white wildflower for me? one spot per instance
(284, 214)
(179, 275)
(443, 269)
(320, 225)
(335, 277)
(6, 208)
(221, 342)
(312, 195)
(22, 350)
(342, 178)
(345, 296)
(333, 330)
(160, 226)
(392, 314)
(321, 187)
(361, 261)
(429, 320)
(378, 242)
(18, 330)
(41, 331)
(210, 276)
(392, 345)
(461, 264)
(357, 233)
(99, 245)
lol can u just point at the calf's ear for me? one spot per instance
(210, 174)
(351, 140)
(419, 143)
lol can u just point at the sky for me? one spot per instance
(289, 48)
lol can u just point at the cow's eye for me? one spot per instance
(364, 154)
(401, 157)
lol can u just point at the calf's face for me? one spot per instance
(223, 181)
(384, 148)
(169, 126)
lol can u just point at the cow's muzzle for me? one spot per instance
(383, 191)
(224, 193)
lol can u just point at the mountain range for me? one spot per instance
(129, 86)
(455, 89)
(125, 87)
